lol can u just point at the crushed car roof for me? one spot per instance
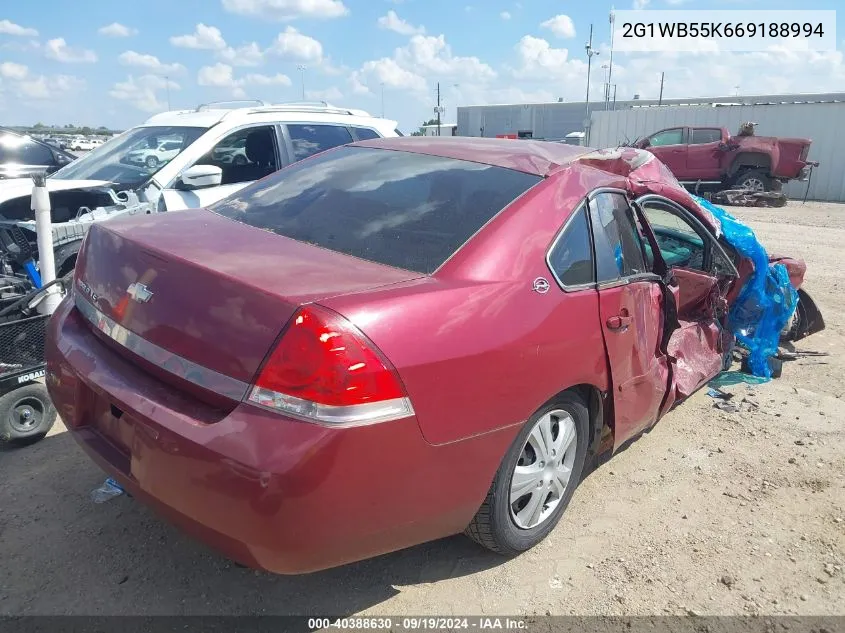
(643, 171)
(533, 157)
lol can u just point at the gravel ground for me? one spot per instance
(710, 513)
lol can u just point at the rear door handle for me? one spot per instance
(619, 321)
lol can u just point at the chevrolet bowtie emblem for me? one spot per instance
(139, 292)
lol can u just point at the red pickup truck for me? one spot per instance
(710, 158)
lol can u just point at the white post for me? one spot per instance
(44, 233)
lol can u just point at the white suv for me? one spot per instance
(192, 158)
(181, 160)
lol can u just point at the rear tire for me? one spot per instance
(151, 162)
(26, 414)
(753, 180)
(502, 524)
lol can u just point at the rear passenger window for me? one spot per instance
(706, 135)
(619, 249)
(308, 140)
(571, 258)
(365, 133)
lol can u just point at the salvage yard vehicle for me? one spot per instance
(21, 156)
(171, 162)
(391, 342)
(709, 158)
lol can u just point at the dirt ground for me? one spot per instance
(710, 513)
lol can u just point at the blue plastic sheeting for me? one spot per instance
(767, 300)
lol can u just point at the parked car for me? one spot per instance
(21, 156)
(152, 157)
(710, 157)
(390, 342)
(82, 144)
(55, 142)
(104, 183)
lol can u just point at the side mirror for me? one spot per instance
(644, 143)
(202, 176)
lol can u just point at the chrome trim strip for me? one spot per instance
(178, 366)
(329, 415)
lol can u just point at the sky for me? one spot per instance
(98, 62)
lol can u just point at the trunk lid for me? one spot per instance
(216, 293)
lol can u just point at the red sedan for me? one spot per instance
(391, 342)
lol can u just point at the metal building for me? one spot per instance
(823, 122)
(819, 117)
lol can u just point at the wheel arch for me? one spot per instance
(750, 160)
(600, 419)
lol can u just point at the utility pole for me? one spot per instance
(614, 97)
(438, 108)
(590, 53)
(612, 19)
(662, 76)
(167, 88)
(301, 68)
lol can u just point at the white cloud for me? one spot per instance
(392, 22)
(116, 29)
(388, 72)
(424, 57)
(505, 15)
(10, 28)
(293, 45)
(203, 38)
(265, 80)
(246, 55)
(48, 88)
(59, 50)
(223, 76)
(219, 75)
(10, 70)
(431, 55)
(329, 94)
(143, 92)
(561, 25)
(149, 62)
(285, 10)
(640, 4)
(539, 59)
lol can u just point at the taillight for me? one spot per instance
(325, 370)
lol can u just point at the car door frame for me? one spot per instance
(713, 174)
(625, 433)
(289, 143)
(683, 147)
(698, 225)
(282, 159)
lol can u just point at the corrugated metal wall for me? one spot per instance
(824, 123)
(543, 120)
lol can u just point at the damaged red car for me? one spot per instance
(392, 342)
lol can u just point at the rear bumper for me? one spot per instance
(262, 489)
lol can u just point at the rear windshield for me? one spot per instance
(401, 209)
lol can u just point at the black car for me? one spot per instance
(22, 156)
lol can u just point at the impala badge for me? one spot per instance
(139, 292)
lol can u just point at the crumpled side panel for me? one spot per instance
(767, 299)
(696, 348)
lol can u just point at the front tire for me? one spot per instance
(151, 162)
(26, 414)
(535, 480)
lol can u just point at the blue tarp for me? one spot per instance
(767, 300)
